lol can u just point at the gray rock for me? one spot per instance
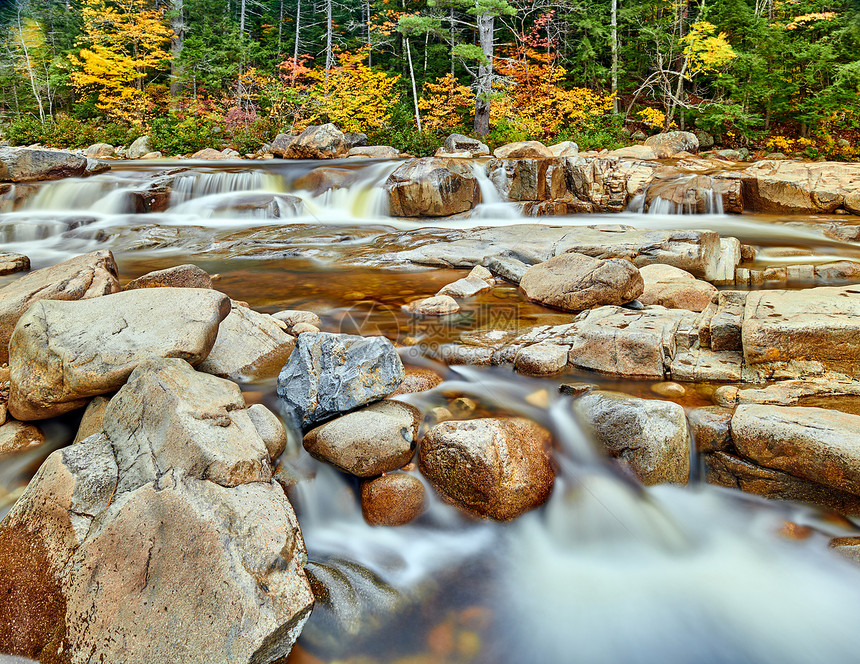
(270, 428)
(92, 419)
(87, 276)
(138, 148)
(374, 152)
(649, 435)
(465, 287)
(280, 146)
(27, 164)
(432, 187)
(673, 142)
(316, 142)
(461, 143)
(250, 346)
(368, 442)
(573, 282)
(330, 374)
(705, 139)
(100, 150)
(62, 353)
(438, 305)
(355, 139)
(506, 267)
(542, 359)
(94, 167)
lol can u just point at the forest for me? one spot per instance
(779, 75)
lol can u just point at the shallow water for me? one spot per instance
(605, 572)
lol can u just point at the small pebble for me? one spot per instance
(669, 389)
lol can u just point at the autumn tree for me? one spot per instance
(125, 44)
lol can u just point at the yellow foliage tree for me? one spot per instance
(124, 42)
(704, 50)
(446, 103)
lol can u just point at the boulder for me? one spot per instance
(27, 164)
(92, 419)
(374, 152)
(152, 155)
(438, 305)
(270, 429)
(542, 359)
(706, 141)
(250, 346)
(789, 334)
(467, 286)
(523, 150)
(634, 152)
(815, 444)
(18, 437)
(181, 276)
(573, 282)
(316, 142)
(293, 317)
(394, 499)
(280, 146)
(711, 429)
(674, 289)
(209, 154)
(650, 436)
(62, 353)
(323, 179)
(495, 468)
(461, 143)
(10, 263)
(87, 276)
(417, 380)
(368, 442)
(432, 187)
(94, 167)
(139, 148)
(564, 149)
(100, 151)
(355, 139)
(330, 374)
(672, 142)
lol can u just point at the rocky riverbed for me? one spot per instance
(159, 421)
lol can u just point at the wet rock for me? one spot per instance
(355, 139)
(292, 317)
(649, 435)
(250, 346)
(728, 470)
(209, 154)
(438, 305)
(100, 151)
(674, 289)
(62, 353)
(394, 499)
(466, 287)
(542, 359)
(798, 187)
(711, 428)
(417, 380)
(27, 164)
(705, 139)
(368, 442)
(495, 468)
(18, 437)
(374, 152)
(87, 276)
(564, 149)
(138, 148)
(573, 282)
(181, 276)
(316, 142)
(330, 374)
(93, 418)
(432, 187)
(506, 267)
(669, 389)
(461, 143)
(12, 262)
(270, 429)
(523, 150)
(323, 179)
(815, 444)
(673, 142)
(788, 392)
(700, 194)
(802, 333)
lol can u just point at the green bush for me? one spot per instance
(68, 132)
(605, 131)
(178, 133)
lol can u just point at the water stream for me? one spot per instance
(606, 571)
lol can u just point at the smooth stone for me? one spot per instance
(650, 436)
(507, 268)
(86, 276)
(63, 353)
(374, 152)
(100, 150)
(669, 389)
(36, 164)
(673, 288)
(330, 374)
(417, 380)
(12, 262)
(461, 143)
(670, 143)
(432, 187)
(711, 429)
(139, 148)
(523, 150)
(250, 346)
(270, 429)
(367, 442)
(438, 305)
(18, 437)
(497, 468)
(181, 276)
(316, 142)
(542, 359)
(573, 282)
(564, 149)
(292, 317)
(394, 499)
(209, 154)
(634, 152)
(466, 287)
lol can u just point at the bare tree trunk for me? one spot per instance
(296, 47)
(412, 77)
(367, 36)
(614, 82)
(329, 54)
(30, 67)
(280, 25)
(486, 25)
(451, 16)
(177, 23)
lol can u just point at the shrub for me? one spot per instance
(180, 133)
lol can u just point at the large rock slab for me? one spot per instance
(18, 437)
(650, 436)
(86, 276)
(793, 334)
(432, 187)
(169, 417)
(573, 282)
(62, 353)
(496, 468)
(250, 346)
(12, 262)
(368, 442)
(800, 187)
(330, 374)
(179, 276)
(815, 444)
(523, 150)
(316, 142)
(27, 164)
(675, 289)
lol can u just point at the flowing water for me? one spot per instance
(606, 571)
